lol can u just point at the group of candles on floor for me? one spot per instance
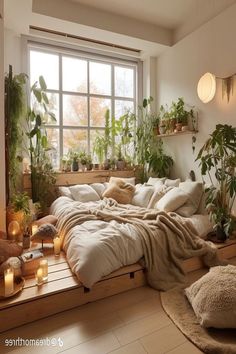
(41, 273)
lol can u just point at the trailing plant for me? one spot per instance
(42, 174)
(14, 110)
(159, 162)
(218, 161)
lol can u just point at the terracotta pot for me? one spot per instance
(89, 166)
(178, 127)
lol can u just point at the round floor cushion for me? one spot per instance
(213, 297)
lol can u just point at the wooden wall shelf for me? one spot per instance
(178, 134)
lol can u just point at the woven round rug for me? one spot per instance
(212, 341)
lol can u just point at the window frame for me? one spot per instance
(114, 61)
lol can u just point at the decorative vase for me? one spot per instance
(220, 233)
(96, 166)
(75, 166)
(178, 127)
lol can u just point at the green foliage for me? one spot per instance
(160, 163)
(14, 109)
(218, 161)
(20, 202)
(179, 112)
(83, 157)
(42, 174)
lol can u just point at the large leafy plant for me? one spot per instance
(38, 145)
(159, 162)
(218, 161)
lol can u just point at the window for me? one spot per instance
(80, 90)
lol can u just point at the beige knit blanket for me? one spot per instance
(167, 239)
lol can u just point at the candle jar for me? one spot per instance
(57, 246)
(15, 265)
(9, 281)
(34, 229)
(39, 276)
(44, 265)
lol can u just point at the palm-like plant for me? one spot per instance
(218, 160)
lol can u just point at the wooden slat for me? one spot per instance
(42, 307)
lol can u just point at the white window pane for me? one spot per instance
(75, 110)
(98, 108)
(75, 139)
(74, 75)
(53, 107)
(124, 82)
(47, 65)
(122, 107)
(53, 139)
(100, 78)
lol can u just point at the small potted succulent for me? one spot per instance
(83, 160)
(75, 161)
(89, 164)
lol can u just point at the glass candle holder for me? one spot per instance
(39, 276)
(9, 281)
(44, 265)
(57, 246)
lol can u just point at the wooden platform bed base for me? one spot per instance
(63, 291)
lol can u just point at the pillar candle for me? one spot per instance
(34, 229)
(57, 246)
(9, 281)
(39, 276)
(44, 265)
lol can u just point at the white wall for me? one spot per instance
(211, 48)
(2, 146)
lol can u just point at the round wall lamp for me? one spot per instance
(206, 87)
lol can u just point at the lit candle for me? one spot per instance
(13, 229)
(34, 229)
(44, 265)
(57, 246)
(39, 276)
(9, 281)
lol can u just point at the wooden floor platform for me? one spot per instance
(63, 291)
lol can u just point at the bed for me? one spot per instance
(100, 236)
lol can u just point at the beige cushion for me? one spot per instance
(65, 192)
(159, 192)
(84, 193)
(121, 191)
(172, 200)
(49, 219)
(130, 180)
(213, 297)
(99, 188)
(172, 182)
(142, 195)
(194, 190)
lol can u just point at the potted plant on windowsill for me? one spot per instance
(218, 161)
(120, 162)
(74, 156)
(89, 164)
(83, 160)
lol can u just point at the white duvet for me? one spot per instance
(96, 248)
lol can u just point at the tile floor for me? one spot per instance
(129, 323)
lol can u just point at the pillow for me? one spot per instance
(172, 182)
(65, 192)
(194, 190)
(213, 297)
(84, 193)
(121, 191)
(156, 181)
(98, 187)
(159, 192)
(130, 180)
(142, 195)
(9, 249)
(172, 200)
(49, 219)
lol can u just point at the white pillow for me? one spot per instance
(84, 193)
(159, 192)
(142, 195)
(172, 200)
(194, 190)
(213, 297)
(99, 188)
(156, 181)
(172, 182)
(130, 180)
(65, 192)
